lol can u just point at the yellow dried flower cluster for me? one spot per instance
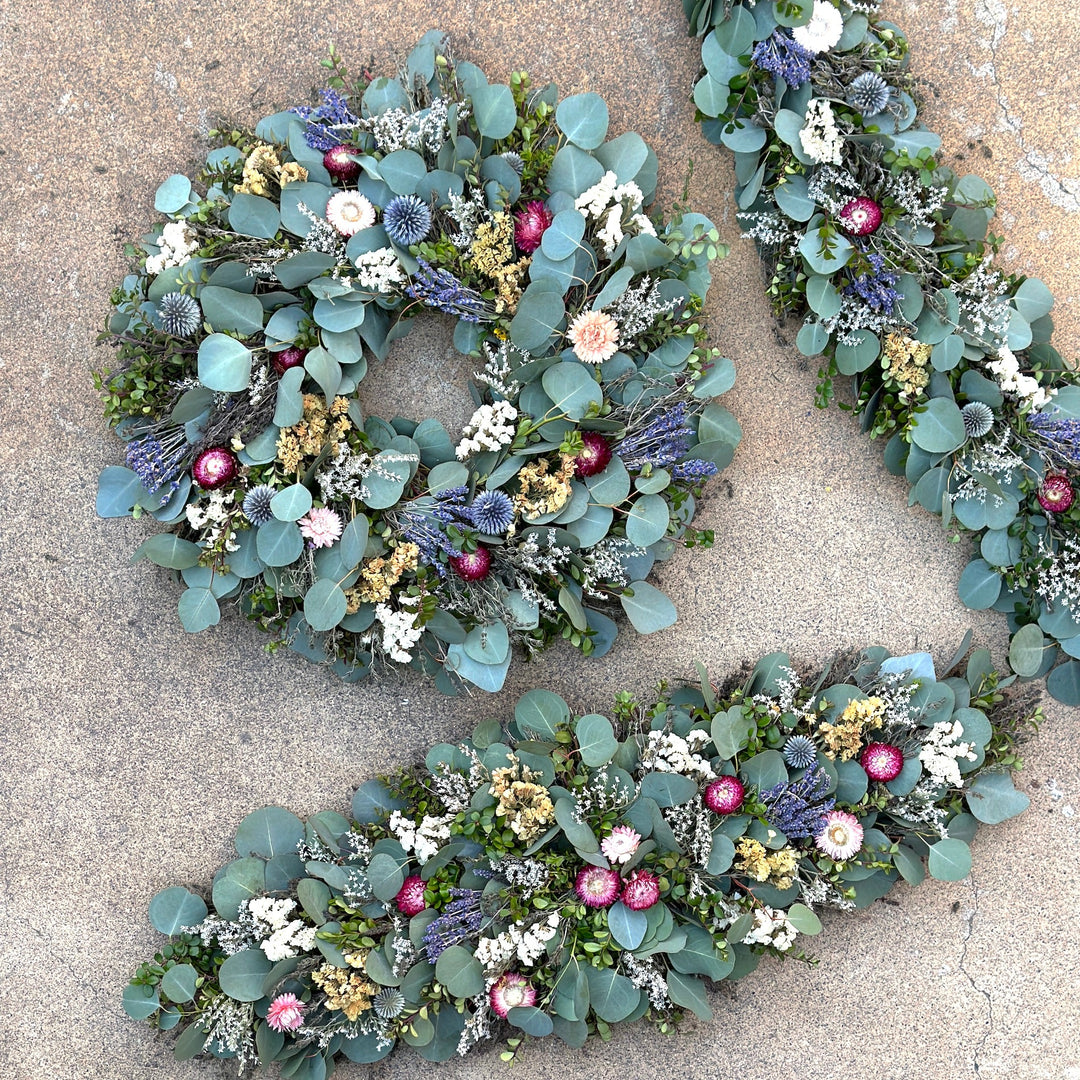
(346, 991)
(542, 491)
(263, 167)
(492, 253)
(905, 362)
(378, 575)
(318, 427)
(844, 738)
(776, 867)
(526, 805)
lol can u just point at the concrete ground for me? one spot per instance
(132, 750)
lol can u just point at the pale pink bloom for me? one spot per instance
(321, 527)
(286, 1013)
(510, 991)
(841, 837)
(620, 846)
(349, 212)
(595, 337)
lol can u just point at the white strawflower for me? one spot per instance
(349, 212)
(823, 31)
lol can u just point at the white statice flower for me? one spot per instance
(667, 752)
(400, 632)
(525, 944)
(282, 936)
(176, 244)
(616, 207)
(823, 31)
(820, 138)
(773, 928)
(213, 516)
(379, 270)
(942, 749)
(491, 427)
(427, 129)
(648, 975)
(423, 838)
(1006, 369)
(499, 366)
(1058, 582)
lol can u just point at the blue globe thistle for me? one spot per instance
(257, 504)
(800, 752)
(869, 93)
(179, 315)
(388, 1003)
(492, 512)
(514, 161)
(407, 220)
(978, 419)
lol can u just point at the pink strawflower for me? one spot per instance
(530, 225)
(620, 846)
(725, 795)
(594, 457)
(860, 217)
(882, 761)
(597, 887)
(286, 1013)
(510, 991)
(473, 566)
(595, 337)
(349, 212)
(410, 898)
(339, 164)
(641, 890)
(1056, 494)
(321, 526)
(288, 358)
(214, 468)
(841, 837)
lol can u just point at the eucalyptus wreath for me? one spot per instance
(885, 254)
(300, 251)
(554, 874)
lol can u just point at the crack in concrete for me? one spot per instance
(969, 916)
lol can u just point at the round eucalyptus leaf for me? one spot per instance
(224, 364)
(178, 983)
(325, 605)
(460, 972)
(980, 585)
(938, 427)
(174, 909)
(949, 860)
(583, 119)
(198, 610)
(242, 974)
(291, 503)
(140, 1002)
(596, 743)
(647, 608)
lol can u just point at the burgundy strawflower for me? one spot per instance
(597, 887)
(473, 566)
(725, 795)
(530, 225)
(1056, 494)
(882, 761)
(340, 165)
(510, 991)
(641, 890)
(860, 217)
(214, 468)
(410, 898)
(289, 358)
(594, 457)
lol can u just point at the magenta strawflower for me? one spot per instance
(530, 225)
(288, 358)
(841, 836)
(321, 527)
(725, 795)
(1056, 494)
(594, 457)
(340, 165)
(473, 566)
(860, 217)
(286, 1013)
(620, 846)
(214, 468)
(410, 898)
(641, 890)
(597, 887)
(510, 991)
(882, 761)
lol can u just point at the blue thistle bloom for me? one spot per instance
(875, 287)
(179, 315)
(694, 471)
(978, 419)
(784, 58)
(869, 93)
(661, 442)
(158, 460)
(798, 807)
(800, 752)
(407, 219)
(513, 160)
(460, 919)
(325, 120)
(440, 289)
(1060, 434)
(257, 504)
(492, 512)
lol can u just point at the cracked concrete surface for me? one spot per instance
(133, 750)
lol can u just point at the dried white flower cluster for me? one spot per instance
(526, 943)
(498, 369)
(819, 136)
(1006, 369)
(176, 244)
(526, 876)
(942, 749)
(282, 936)
(454, 789)
(424, 838)
(1059, 580)
(605, 564)
(617, 208)
(771, 928)
(667, 752)
(602, 793)
(213, 516)
(397, 129)
(228, 1025)
(692, 825)
(646, 974)
(468, 214)
(638, 308)
(491, 426)
(342, 477)
(379, 271)
(400, 632)
(823, 31)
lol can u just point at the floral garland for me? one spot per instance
(241, 340)
(884, 254)
(557, 874)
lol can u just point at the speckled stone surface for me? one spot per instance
(132, 750)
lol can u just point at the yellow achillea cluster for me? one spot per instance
(905, 362)
(526, 805)
(542, 491)
(844, 738)
(378, 575)
(776, 867)
(263, 167)
(492, 254)
(318, 427)
(346, 991)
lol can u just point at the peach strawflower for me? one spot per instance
(595, 337)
